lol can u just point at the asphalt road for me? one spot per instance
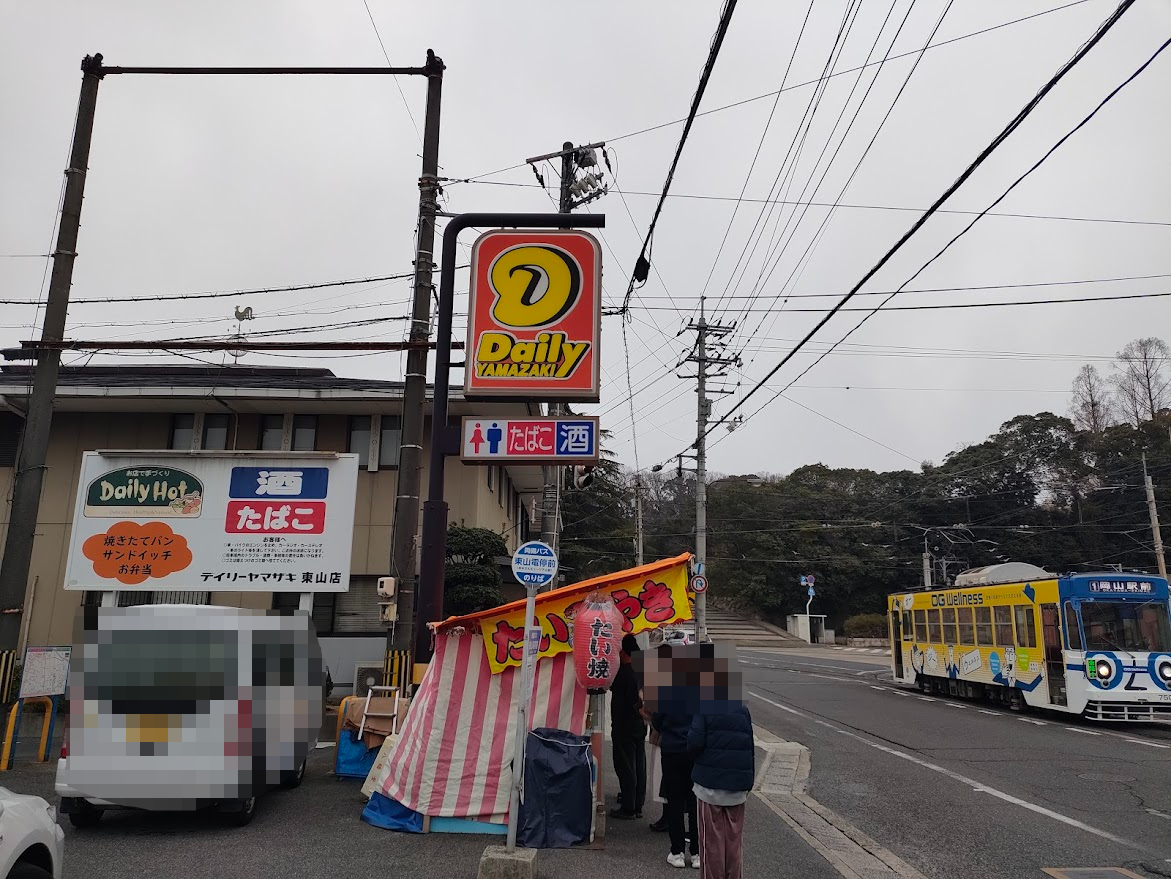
(959, 789)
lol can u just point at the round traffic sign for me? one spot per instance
(698, 584)
(534, 563)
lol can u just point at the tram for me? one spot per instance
(1096, 645)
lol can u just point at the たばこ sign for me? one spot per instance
(534, 316)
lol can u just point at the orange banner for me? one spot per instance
(647, 597)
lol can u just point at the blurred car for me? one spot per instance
(678, 637)
(32, 843)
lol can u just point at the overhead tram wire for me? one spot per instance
(704, 77)
(478, 178)
(1015, 123)
(759, 146)
(789, 161)
(763, 279)
(805, 188)
(397, 84)
(999, 199)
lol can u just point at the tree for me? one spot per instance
(471, 579)
(1092, 409)
(1141, 380)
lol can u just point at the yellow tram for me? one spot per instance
(1098, 645)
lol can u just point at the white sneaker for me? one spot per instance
(695, 861)
(677, 860)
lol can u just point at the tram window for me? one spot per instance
(934, 629)
(921, 626)
(907, 630)
(1072, 630)
(984, 626)
(1026, 625)
(967, 630)
(949, 626)
(1002, 616)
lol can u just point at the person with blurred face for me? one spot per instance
(673, 722)
(628, 733)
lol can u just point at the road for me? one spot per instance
(960, 789)
(937, 788)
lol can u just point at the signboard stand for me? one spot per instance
(44, 676)
(534, 564)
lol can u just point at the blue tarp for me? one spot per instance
(354, 759)
(390, 814)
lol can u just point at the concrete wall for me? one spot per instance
(50, 610)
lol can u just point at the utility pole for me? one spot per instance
(410, 457)
(30, 465)
(1156, 533)
(572, 158)
(704, 362)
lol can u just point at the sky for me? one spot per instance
(210, 184)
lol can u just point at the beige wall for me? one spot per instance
(50, 610)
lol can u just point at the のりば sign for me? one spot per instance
(232, 522)
(534, 316)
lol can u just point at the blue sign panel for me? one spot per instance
(534, 564)
(303, 483)
(577, 438)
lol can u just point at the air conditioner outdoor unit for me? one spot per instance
(367, 675)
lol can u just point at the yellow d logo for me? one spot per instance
(535, 285)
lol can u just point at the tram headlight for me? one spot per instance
(1163, 670)
(1103, 669)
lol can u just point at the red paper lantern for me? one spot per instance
(597, 639)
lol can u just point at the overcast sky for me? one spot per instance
(218, 184)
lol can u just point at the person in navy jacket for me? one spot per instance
(674, 729)
(724, 753)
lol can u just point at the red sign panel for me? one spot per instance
(275, 517)
(534, 317)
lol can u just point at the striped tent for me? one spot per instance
(453, 757)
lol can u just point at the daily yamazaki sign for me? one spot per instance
(534, 316)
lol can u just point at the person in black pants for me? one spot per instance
(628, 733)
(677, 786)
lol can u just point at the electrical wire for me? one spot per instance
(397, 84)
(704, 77)
(1012, 126)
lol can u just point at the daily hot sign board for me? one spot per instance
(534, 316)
(235, 522)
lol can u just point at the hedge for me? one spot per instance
(866, 625)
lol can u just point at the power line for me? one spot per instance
(705, 75)
(397, 84)
(1012, 126)
(479, 177)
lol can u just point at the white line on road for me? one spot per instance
(1088, 732)
(1033, 722)
(876, 687)
(986, 711)
(955, 705)
(978, 787)
(778, 705)
(926, 699)
(1148, 744)
(1156, 812)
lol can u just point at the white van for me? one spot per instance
(180, 707)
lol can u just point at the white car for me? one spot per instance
(32, 843)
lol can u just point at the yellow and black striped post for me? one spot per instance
(7, 675)
(397, 671)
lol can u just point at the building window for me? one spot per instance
(359, 442)
(182, 431)
(272, 432)
(341, 613)
(491, 474)
(215, 432)
(304, 433)
(388, 446)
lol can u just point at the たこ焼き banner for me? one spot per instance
(645, 602)
(534, 316)
(232, 522)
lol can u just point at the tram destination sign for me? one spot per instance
(570, 440)
(1122, 587)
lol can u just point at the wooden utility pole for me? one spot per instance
(30, 464)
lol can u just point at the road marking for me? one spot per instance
(828, 725)
(859, 673)
(778, 705)
(979, 787)
(986, 711)
(1157, 813)
(926, 699)
(954, 705)
(1148, 744)
(1033, 722)
(1088, 732)
(876, 687)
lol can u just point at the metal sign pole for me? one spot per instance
(522, 716)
